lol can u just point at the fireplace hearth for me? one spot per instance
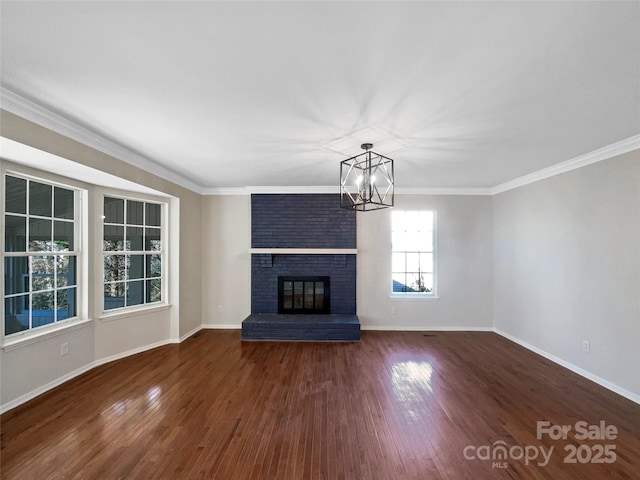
(303, 269)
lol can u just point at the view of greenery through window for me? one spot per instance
(40, 256)
(132, 253)
(413, 249)
(41, 251)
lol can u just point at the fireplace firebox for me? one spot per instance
(308, 295)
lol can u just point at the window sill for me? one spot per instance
(413, 296)
(29, 338)
(119, 314)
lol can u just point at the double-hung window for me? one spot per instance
(413, 252)
(41, 248)
(133, 253)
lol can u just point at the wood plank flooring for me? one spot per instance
(398, 405)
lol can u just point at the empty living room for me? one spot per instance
(292, 240)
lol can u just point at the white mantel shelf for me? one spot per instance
(305, 251)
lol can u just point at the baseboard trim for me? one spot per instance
(187, 335)
(570, 366)
(222, 326)
(44, 388)
(75, 373)
(563, 363)
(133, 351)
(396, 328)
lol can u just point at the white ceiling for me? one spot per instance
(234, 94)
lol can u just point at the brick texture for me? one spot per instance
(264, 280)
(302, 221)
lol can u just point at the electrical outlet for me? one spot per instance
(219, 308)
(64, 348)
(586, 346)
(394, 310)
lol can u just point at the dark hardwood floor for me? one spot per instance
(398, 405)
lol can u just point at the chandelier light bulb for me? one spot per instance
(360, 188)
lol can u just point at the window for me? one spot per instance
(413, 252)
(40, 253)
(132, 253)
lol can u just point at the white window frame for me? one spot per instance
(79, 252)
(118, 312)
(416, 295)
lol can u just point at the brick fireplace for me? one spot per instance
(297, 236)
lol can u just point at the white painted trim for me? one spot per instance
(442, 191)
(59, 381)
(128, 312)
(304, 251)
(272, 190)
(609, 151)
(221, 326)
(570, 366)
(44, 388)
(133, 351)
(420, 297)
(31, 337)
(336, 190)
(294, 189)
(624, 146)
(25, 158)
(65, 378)
(226, 191)
(417, 328)
(187, 335)
(79, 371)
(47, 118)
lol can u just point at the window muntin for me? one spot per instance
(413, 252)
(133, 253)
(40, 254)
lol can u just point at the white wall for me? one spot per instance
(567, 267)
(226, 279)
(464, 266)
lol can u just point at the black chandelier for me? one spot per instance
(366, 181)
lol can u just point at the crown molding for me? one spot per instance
(272, 190)
(336, 190)
(623, 146)
(294, 189)
(29, 110)
(226, 191)
(443, 191)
